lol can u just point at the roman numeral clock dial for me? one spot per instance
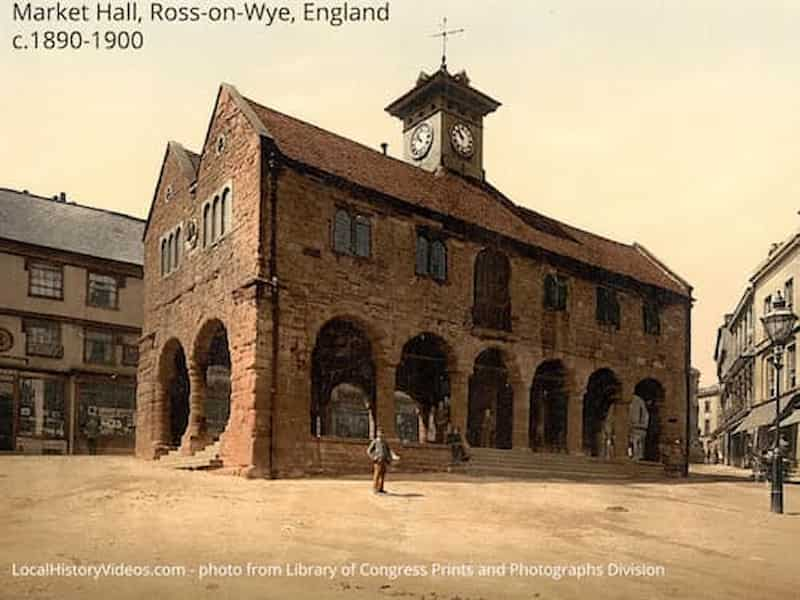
(462, 140)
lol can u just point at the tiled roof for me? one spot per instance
(464, 199)
(71, 227)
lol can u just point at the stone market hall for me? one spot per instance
(302, 290)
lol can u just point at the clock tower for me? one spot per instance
(443, 123)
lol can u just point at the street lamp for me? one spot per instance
(779, 326)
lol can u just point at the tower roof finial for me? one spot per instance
(444, 34)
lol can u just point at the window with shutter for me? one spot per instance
(438, 264)
(362, 235)
(423, 249)
(342, 232)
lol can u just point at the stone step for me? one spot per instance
(207, 458)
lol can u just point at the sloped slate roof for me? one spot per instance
(71, 227)
(453, 195)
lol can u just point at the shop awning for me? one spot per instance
(761, 416)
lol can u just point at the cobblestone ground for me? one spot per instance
(710, 536)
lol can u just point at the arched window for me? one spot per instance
(170, 241)
(438, 264)
(214, 217)
(342, 232)
(206, 229)
(163, 257)
(224, 210)
(176, 259)
(492, 301)
(423, 255)
(363, 235)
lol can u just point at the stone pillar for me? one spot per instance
(522, 403)
(575, 420)
(159, 409)
(459, 399)
(385, 374)
(194, 438)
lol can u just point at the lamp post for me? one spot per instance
(779, 326)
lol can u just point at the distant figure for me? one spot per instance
(458, 446)
(608, 437)
(442, 421)
(487, 429)
(92, 432)
(382, 457)
(431, 425)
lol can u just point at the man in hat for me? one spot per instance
(381, 456)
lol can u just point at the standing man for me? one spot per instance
(488, 429)
(381, 456)
(92, 431)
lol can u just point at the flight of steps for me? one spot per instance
(523, 463)
(207, 458)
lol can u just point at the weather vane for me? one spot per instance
(444, 34)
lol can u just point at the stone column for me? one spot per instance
(195, 437)
(459, 398)
(575, 421)
(522, 403)
(385, 373)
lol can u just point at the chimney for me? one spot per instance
(385, 148)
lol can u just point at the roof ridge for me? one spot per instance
(72, 203)
(337, 135)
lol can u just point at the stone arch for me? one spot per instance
(547, 430)
(645, 419)
(343, 381)
(603, 392)
(424, 375)
(212, 359)
(173, 380)
(490, 413)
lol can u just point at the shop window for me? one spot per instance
(112, 404)
(45, 280)
(41, 408)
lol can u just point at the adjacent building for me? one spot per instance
(302, 290)
(708, 418)
(70, 321)
(748, 380)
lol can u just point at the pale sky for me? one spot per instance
(673, 123)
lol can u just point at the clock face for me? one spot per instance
(462, 140)
(421, 141)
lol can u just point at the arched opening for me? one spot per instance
(490, 417)
(645, 420)
(492, 301)
(422, 375)
(602, 392)
(548, 411)
(174, 379)
(214, 360)
(342, 382)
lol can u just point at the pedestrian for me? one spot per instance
(382, 456)
(487, 429)
(458, 446)
(442, 421)
(92, 431)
